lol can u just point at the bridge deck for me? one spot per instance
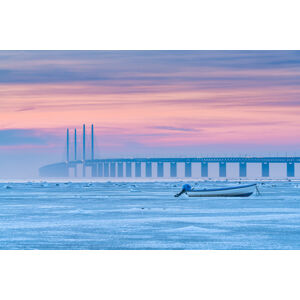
(201, 159)
(114, 166)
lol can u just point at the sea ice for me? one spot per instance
(146, 215)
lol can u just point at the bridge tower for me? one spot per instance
(68, 146)
(75, 152)
(83, 150)
(75, 145)
(92, 142)
(94, 165)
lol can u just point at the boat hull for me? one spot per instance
(239, 191)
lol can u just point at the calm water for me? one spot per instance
(146, 216)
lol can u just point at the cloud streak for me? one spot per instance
(162, 98)
(26, 137)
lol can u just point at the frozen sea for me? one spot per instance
(145, 215)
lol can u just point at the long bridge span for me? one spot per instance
(143, 167)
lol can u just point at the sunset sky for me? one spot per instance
(148, 103)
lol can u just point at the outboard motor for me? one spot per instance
(185, 188)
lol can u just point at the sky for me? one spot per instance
(147, 103)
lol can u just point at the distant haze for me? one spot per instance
(147, 103)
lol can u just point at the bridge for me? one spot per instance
(144, 167)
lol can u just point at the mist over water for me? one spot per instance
(18, 163)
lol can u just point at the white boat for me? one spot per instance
(234, 191)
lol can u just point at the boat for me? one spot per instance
(234, 191)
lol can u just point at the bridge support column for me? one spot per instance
(83, 170)
(67, 170)
(120, 169)
(128, 169)
(100, 170)
(173, 169)
(222, 169)
(138, 169)
(148, 169)
(94, 170)
(290, 169)
(112, 169)
(204, 169)
(188, 169)
(106, 170)
(243, 169)
(265, 169)
(160, 169)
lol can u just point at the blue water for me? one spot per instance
(146, 216)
